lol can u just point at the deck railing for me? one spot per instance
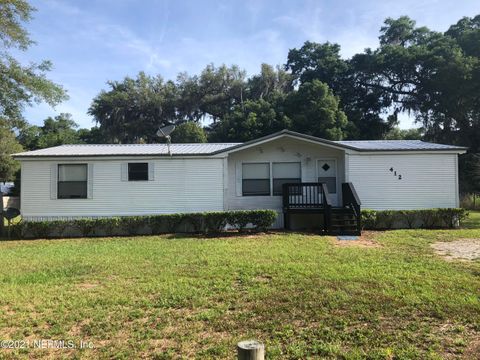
(307, 197)
(351, 199)
(304, 195)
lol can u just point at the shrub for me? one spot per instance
(410, 217)
(207, 222)
(369, 219)
(425, 218)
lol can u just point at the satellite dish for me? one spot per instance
(165, 132)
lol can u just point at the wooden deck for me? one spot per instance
(312, 198)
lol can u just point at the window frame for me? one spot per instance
(135, 163)
(270, 167)
(293, 180)
(58, 181)
(269, 178)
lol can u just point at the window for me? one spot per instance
(283, 173)
(137, 171)
(256, 179)
(72, 181)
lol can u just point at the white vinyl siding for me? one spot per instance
(278, 151)
(427, 180)
(178, 185)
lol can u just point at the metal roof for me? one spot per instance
(396, 145)
(128, 150)
(357, 145)
(216, 148)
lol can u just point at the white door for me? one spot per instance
(327, 173)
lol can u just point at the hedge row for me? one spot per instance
(412, 219)
(207, 222)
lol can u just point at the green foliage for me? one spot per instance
(55, 131)
(250, 120)
(148, 100)
(189, 132)
(8, 146)
(21, 85)
(314, 110)
(364, 107)
(424, 218)
(404, 134)
(470, 201)
(207, 222)
(469, 172)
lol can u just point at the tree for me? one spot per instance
(270, 83)
(8, 146)
(428, 74)
(133, 109)
(365, 108)
(91, 136)
(221, 89)
(189, 132)
(314, 110)
(251, 120)
(21, 85)
(404, 134)
(55, 131)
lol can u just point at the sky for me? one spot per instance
(93, 41)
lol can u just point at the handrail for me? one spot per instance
(303, 196)
(350, 198)
(327, 215)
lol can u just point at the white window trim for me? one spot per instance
(89, 180)
(124, 171)
(241, 177)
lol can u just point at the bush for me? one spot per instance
(425, 218)
(207, 222)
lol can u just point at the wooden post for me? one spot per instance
(250, 350)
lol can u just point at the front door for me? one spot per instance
(327, 173)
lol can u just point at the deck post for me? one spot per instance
(250, 350)
(286, 220)
(286, 215)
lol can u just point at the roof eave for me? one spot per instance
(280, 134)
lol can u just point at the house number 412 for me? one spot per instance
(395, 173)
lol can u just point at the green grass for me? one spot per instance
(185, 297)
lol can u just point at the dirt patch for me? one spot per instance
(464, 249)
(366, 240)
(88, 286)
(473, 349)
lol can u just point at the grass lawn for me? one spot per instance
(303, 295)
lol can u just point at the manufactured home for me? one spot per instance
(292, 173)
